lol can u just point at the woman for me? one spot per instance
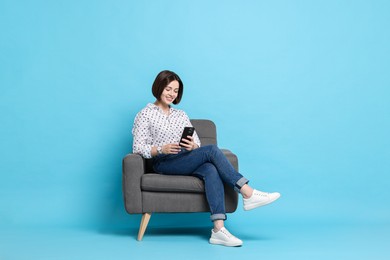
(157, 131)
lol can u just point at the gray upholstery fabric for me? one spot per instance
(133, 169)
(171, 183)
(148, 193)
(169, 202)
(206, 131)
(165, 202)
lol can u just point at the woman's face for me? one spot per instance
(170, 93)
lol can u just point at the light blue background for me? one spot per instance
(299, 90)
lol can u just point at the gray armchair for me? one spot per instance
(146, 192)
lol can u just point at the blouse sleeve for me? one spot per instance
(142, 139)
(196, 139)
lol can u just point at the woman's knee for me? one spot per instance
(208, 170)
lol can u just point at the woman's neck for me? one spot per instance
(165, 108)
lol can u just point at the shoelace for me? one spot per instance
(227, 233)
(260, 193)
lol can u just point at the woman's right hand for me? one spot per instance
(171, 149)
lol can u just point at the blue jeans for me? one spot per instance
(209, 164)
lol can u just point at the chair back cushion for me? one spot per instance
(206, 131)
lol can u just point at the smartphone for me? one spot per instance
(188, 131)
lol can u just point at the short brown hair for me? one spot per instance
(162, 80)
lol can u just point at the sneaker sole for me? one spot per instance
(256, 205)
(223, 243)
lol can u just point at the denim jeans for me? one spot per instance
(209, 164)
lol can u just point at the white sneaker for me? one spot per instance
(224, 237)
(259, 199)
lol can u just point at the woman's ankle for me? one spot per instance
(218, 224)
(246, 191)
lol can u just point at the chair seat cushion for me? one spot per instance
(171, 183)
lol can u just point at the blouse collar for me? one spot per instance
(154, 107)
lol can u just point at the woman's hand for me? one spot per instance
(171, 149)
(188, 143)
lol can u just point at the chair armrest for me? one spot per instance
(133, 167)
(231, 157)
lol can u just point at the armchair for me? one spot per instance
(146, 192)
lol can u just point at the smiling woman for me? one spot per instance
(157, 135)
(167, 88)
(169, 94)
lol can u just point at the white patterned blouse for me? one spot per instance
(152, 127)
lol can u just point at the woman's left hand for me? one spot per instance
(188, 143)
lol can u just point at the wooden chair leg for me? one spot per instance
(144, 223)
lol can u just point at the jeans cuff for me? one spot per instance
(241, 182)
(219, 216)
